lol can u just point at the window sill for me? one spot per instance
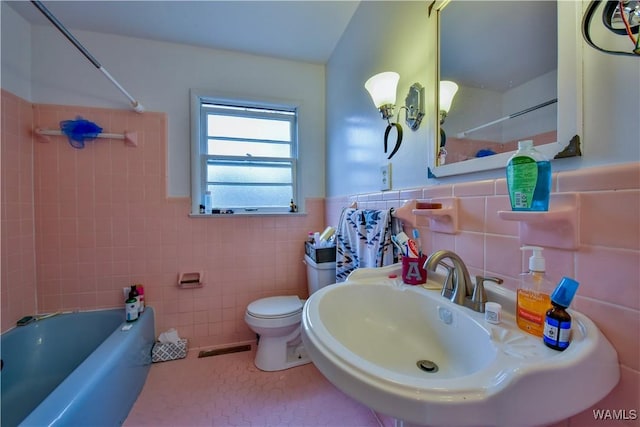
(243, 214)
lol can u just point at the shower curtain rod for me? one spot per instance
(139, 108)
(464, 134)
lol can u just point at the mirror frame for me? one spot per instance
(569, 95)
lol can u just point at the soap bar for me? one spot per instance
(428, 205)
(25, 320)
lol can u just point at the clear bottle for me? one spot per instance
(208, 202)
(557, 324)
(529, 179)
(532, 301)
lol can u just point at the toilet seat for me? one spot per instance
(275, 307)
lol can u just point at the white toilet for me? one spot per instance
(277, 320)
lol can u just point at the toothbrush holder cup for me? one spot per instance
(413, 272)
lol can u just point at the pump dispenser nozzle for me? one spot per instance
(536, 261)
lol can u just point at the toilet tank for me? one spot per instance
(320, 274)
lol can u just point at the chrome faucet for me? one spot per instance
(457, 286)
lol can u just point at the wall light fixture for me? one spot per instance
(414, 104)
(448, 90)
(382, 88)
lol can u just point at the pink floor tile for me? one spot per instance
(228, 390)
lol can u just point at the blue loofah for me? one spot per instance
(79, 130)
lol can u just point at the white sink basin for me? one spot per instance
(378, 340)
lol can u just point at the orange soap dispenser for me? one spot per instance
(533, 294)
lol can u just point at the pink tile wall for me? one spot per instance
(87, 222)
(606, 262)
(103, 222)
(18, 265)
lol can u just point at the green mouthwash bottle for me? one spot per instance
(528, 179)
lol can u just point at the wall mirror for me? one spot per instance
(518, 66)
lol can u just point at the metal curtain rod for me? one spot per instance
(510, 116)
(139, 108)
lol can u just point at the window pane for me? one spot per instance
(231, 172)
(248, 128)
(242, 148)
(233, 196)
(248, 155)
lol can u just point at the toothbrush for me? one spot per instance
(412, 251)
(416, 236)
(394, 240)
(402, 238)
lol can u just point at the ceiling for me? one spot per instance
(478, 36)
(297, 30)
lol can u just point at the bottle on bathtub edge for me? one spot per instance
(133, 291)
(132, 305)
(140, 290)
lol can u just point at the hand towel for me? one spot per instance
(363, 239)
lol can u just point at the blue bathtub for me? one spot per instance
(76, 369)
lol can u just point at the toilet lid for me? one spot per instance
(273, 307)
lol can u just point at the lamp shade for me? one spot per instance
(382, 88)
(448, 90)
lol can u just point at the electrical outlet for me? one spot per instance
(385, 177)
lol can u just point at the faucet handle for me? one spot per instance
(447, 287)
(481, 279)
(479, 297)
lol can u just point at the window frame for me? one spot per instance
(199, 139)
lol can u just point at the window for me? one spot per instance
(245, 155)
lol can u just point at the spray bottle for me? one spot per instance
(140, 289)
(533, 294)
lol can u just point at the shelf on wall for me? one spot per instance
(404, 213)
(556, 228)
(442, 219)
